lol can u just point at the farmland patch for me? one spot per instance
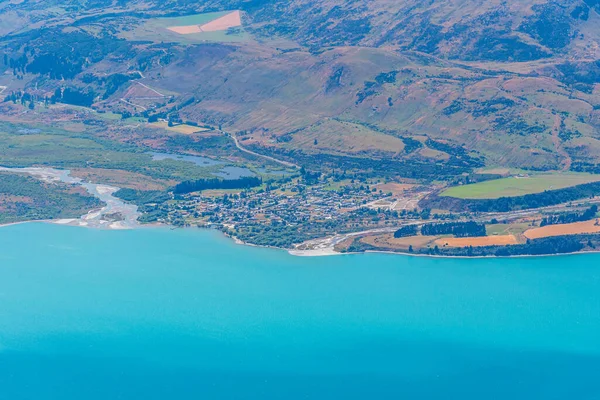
(499, 240)
(519, 185)
(574, 228)
(223, 26)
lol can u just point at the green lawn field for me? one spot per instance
(519, 186)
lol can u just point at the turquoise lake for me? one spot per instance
(188, 314)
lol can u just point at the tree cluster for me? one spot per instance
(567, 218)
(458, 229)
(215, 183)
(408, 230)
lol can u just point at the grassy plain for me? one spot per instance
(507, 229)
(122, 178)
(519, 186)
(25, 146)
(331, 136)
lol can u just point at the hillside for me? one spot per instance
(380, 85)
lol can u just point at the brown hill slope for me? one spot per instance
(461, 29)
(514, 84)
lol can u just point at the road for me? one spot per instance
(135, 105)
(241, 148)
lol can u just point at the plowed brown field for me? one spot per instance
(500, 240)
(185, 30)
(564, 229)
(230, 20)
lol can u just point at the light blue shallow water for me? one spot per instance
(160, 314)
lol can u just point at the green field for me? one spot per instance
(156, 30)
(25, 146)
(506, 229)
(519, 186)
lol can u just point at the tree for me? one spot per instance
(31, 105)
(410, 248)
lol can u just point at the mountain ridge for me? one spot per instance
(513, 84)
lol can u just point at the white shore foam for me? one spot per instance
(314, 253)
(64, 221)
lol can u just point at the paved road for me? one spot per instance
(239, 146)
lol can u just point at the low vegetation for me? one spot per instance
(141, 197)
(23, 198)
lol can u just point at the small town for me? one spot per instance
(294, 212)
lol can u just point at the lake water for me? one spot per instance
(226, 172)
(187, 314)
(234, 172)
(198, 160)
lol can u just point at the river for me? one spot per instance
(102, 218)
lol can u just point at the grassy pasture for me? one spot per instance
(331, 135)
(20, 147)
(155, 30)
(507, 229)
(519, 186)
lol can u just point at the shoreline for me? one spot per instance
(323, 252)
(331, 252)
